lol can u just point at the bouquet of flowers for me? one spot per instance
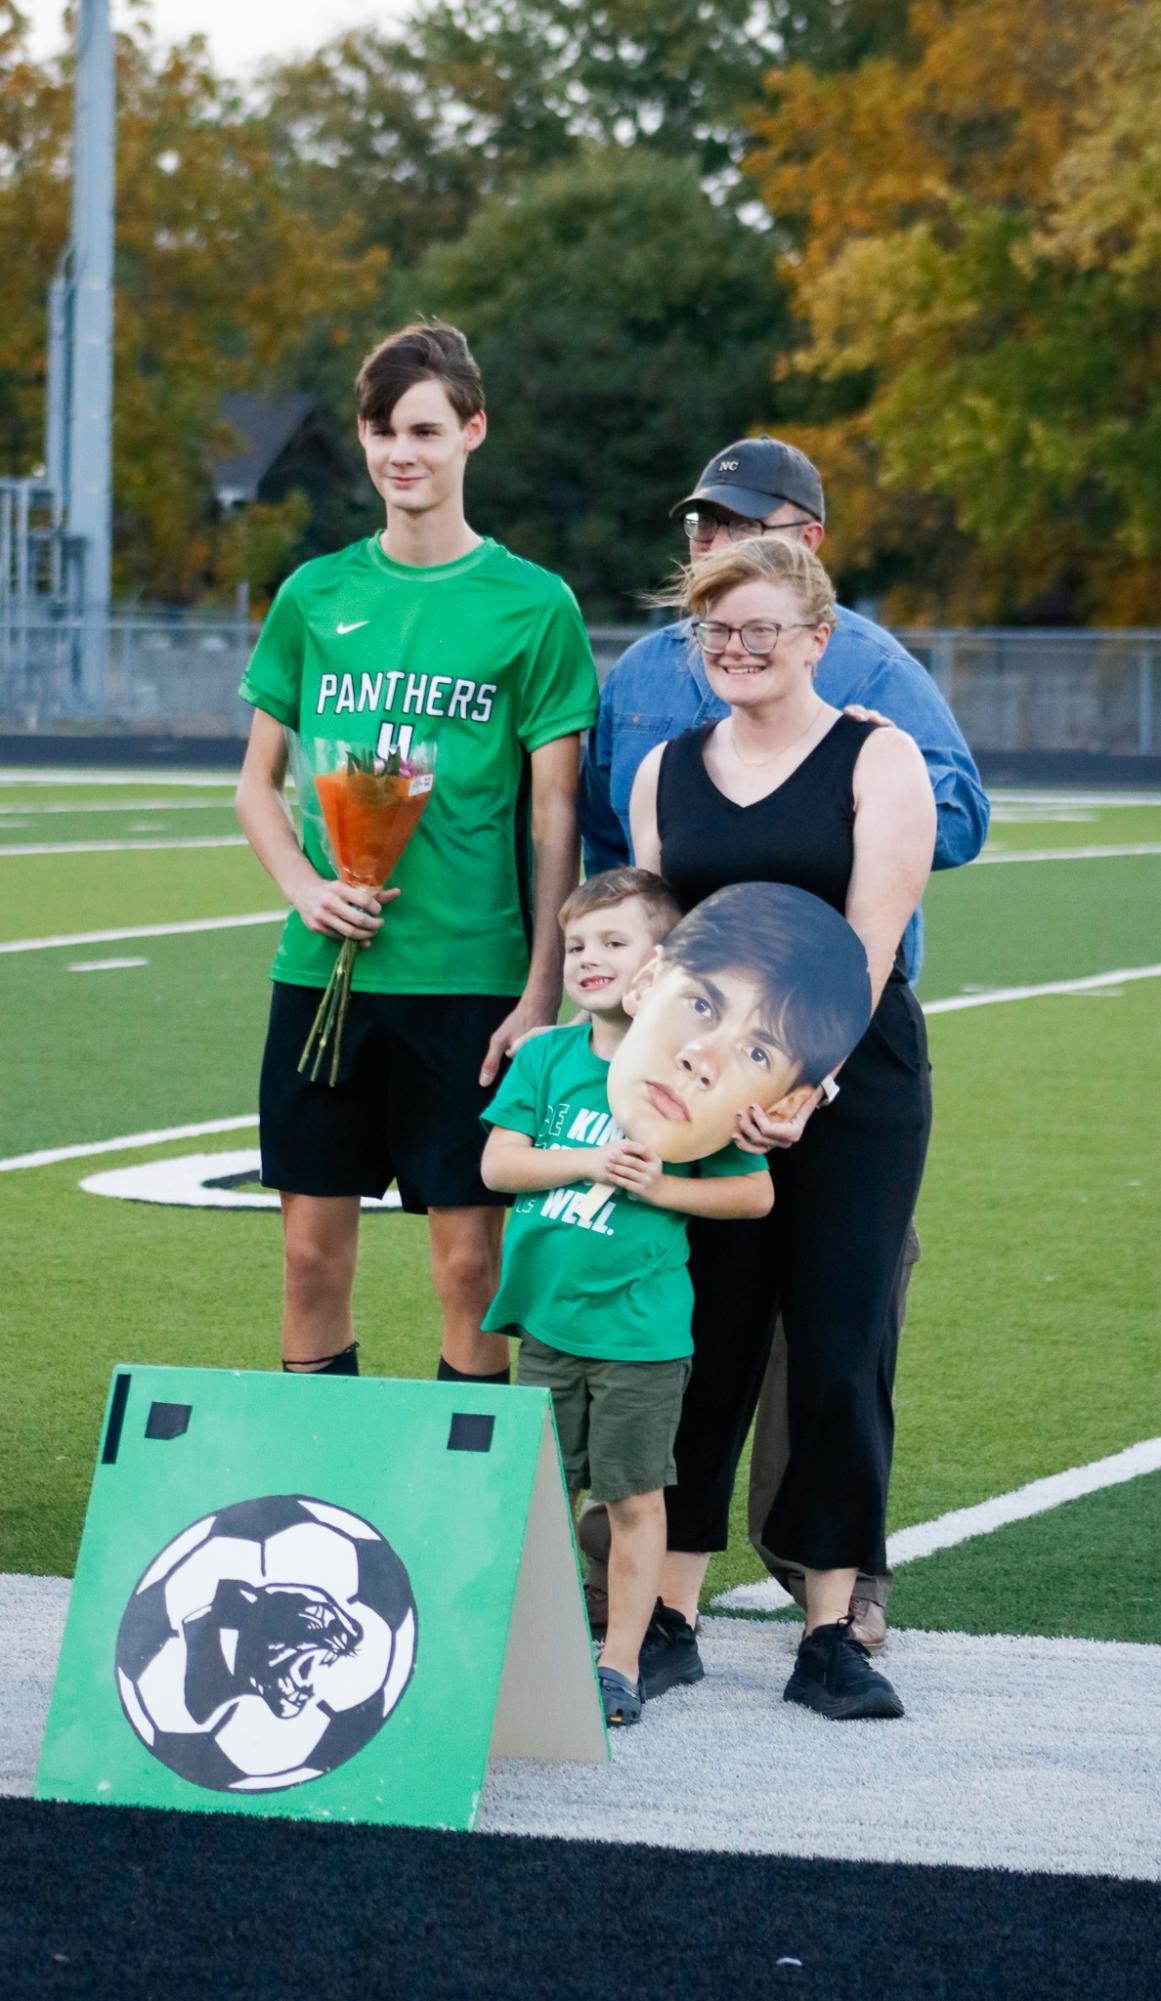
(364, 809)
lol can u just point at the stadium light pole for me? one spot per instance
(88, 448)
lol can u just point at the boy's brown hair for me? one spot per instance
(616, 885)
(426, 351)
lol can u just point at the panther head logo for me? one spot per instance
(271, 1640)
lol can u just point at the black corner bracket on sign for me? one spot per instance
(470, 1432)
(112, 1445)
(168, 1420)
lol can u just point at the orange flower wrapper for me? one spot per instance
(370, 817)
(369, 810)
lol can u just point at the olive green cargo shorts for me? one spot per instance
(616, 1420)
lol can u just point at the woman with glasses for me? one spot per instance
(787, 788)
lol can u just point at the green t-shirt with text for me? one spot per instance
(586, 1269)
(488, 657)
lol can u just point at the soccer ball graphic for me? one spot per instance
(266, 1644)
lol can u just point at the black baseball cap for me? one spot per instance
(753, 476)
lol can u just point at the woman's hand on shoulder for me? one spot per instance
(862, 714)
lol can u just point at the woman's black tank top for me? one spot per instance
(802, 833)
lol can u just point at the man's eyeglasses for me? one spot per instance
(702, 527)
(760, 639)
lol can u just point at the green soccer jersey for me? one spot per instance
(487, 657)
(587, 1269)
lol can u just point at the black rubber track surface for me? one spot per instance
(107, 1901)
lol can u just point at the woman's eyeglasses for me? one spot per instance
(758, 638)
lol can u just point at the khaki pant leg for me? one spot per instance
(770, 1450)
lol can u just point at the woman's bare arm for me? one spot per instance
(643, 812)
(894, 844)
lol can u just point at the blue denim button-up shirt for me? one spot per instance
(658, 688)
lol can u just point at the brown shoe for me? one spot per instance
(868, 1623)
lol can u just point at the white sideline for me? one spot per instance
(17, 849)
(71, 938)
(49, 1156)
(1094, 854)
(962, 1524)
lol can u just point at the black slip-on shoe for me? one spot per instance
(669, 1655)
(833, 1675)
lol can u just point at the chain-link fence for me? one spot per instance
(165, 673)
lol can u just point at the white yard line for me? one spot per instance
(49, 1156)
(71, 938)
(13, 775)
(957, 1002)
(16, 850)
(130, 1140)
(1093, 854)
(130, 806)
(104, 965)
(1006, 797)
(963, 1524)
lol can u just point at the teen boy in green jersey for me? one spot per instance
(425, 632)
(595, 1277)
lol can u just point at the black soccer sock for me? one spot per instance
(345, 1363)
(447, 1374)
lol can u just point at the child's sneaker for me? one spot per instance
(669, 1655)
(622, 1699)
(833, 1675)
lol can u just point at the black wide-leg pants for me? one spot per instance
(828, 1257)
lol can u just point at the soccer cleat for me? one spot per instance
(833, 1675)
(621, 1698)
(669, 1653)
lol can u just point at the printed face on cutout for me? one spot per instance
(701, 1048)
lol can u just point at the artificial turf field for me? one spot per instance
(1031, 1338)
(1030, 1348)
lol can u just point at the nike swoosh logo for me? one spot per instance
(352, 628)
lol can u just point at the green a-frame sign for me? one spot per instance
(332, 1598)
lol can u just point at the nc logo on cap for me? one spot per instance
(728, 465)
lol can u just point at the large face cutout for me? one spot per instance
(715, 1031)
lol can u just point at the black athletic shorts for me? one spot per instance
(406, 1107)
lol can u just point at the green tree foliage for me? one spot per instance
(976, 269)
(624, 326)
(218, 282)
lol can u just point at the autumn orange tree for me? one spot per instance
(219, 286)
(970, 231)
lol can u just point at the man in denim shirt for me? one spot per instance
(657, 689)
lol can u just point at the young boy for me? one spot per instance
(594, 1277)
(423, 631)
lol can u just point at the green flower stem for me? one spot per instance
(331, 1016)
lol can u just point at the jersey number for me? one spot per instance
(392, 740)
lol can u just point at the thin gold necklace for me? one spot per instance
(760, 763)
